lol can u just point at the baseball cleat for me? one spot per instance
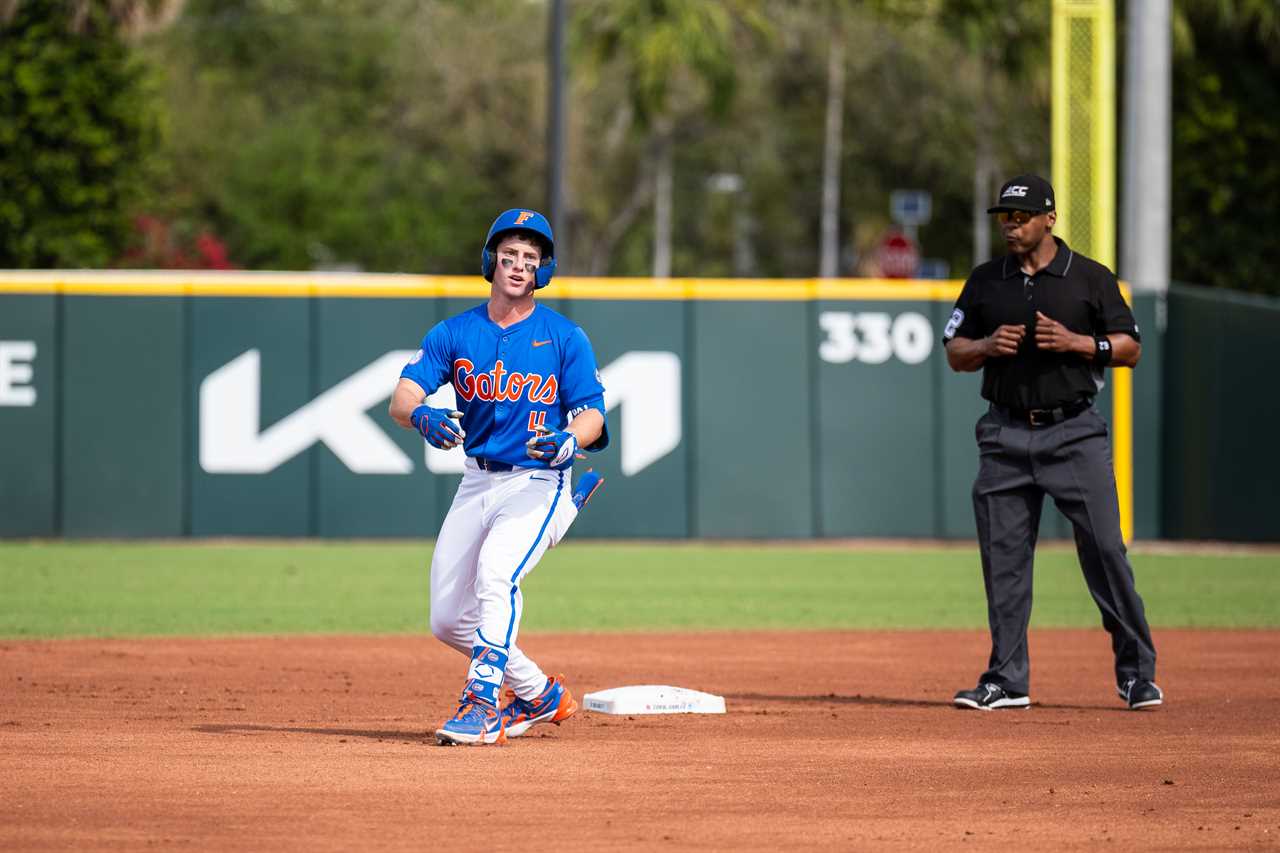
(587, 485)
(554, 704)
(991, 697)
(476, 722)
(1140, 693)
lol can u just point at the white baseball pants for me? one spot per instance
(498, 527)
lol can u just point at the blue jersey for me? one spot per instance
(540, 371)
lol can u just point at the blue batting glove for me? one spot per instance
(587, 485)
(557, 448)
(436, 427)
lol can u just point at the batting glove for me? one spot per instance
(436, 426)
(557, 448)
(587, 486)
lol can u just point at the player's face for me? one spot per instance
(1022, 230)
(518, 260)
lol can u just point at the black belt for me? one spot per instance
(493, 466)
(1044, 417)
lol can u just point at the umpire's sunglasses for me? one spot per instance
(1017, 217)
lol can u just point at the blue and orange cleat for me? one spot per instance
(554, 704)
(476, 722)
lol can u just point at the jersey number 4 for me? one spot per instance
(537, 419)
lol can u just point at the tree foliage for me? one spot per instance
(77, 126)
(376, 134)
(658, 46)
(386, 134)
(677, 63)
(1226, 132)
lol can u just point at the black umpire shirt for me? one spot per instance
(1077, 291)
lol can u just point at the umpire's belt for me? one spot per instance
(493, 466)
(1044, 417)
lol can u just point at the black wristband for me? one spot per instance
(1101, 351)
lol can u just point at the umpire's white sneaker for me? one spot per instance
(991, 697)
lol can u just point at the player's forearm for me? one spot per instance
(966, 355)
(407, 397)
(587, 427)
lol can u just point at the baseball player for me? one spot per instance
(529, 397)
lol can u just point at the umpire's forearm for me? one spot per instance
(966, 355)
(1125, 351)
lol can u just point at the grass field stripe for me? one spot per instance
(221, 587)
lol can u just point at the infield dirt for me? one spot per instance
(843, 740)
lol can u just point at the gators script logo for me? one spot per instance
(498, 384)
(525, 216)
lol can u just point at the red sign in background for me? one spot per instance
(898, 256)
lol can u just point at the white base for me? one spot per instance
(653, 699)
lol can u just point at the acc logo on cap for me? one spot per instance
(1015, 191)
(525, 216)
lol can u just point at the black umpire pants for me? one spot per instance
(1071, 462)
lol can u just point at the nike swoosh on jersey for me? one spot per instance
(541, 343)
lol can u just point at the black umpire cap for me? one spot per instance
(1025, 192)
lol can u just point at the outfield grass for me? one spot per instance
(63, 589)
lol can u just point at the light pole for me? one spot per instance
(1145, 200)
(555, 125)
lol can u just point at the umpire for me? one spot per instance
(1042, 323)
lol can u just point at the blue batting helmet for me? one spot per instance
(529, 222)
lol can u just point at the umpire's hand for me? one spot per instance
(1004, 340)
(1055, 337)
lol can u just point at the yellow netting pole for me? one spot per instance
(1084, 176)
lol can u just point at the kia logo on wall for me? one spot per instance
(646, 385)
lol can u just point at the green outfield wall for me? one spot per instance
(1222, 415)
(141, 405)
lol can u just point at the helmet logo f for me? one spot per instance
(525, 215)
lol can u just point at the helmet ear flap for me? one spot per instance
(488, 263)
(542, 277)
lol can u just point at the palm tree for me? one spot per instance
(677, 58)
(1011, 40)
